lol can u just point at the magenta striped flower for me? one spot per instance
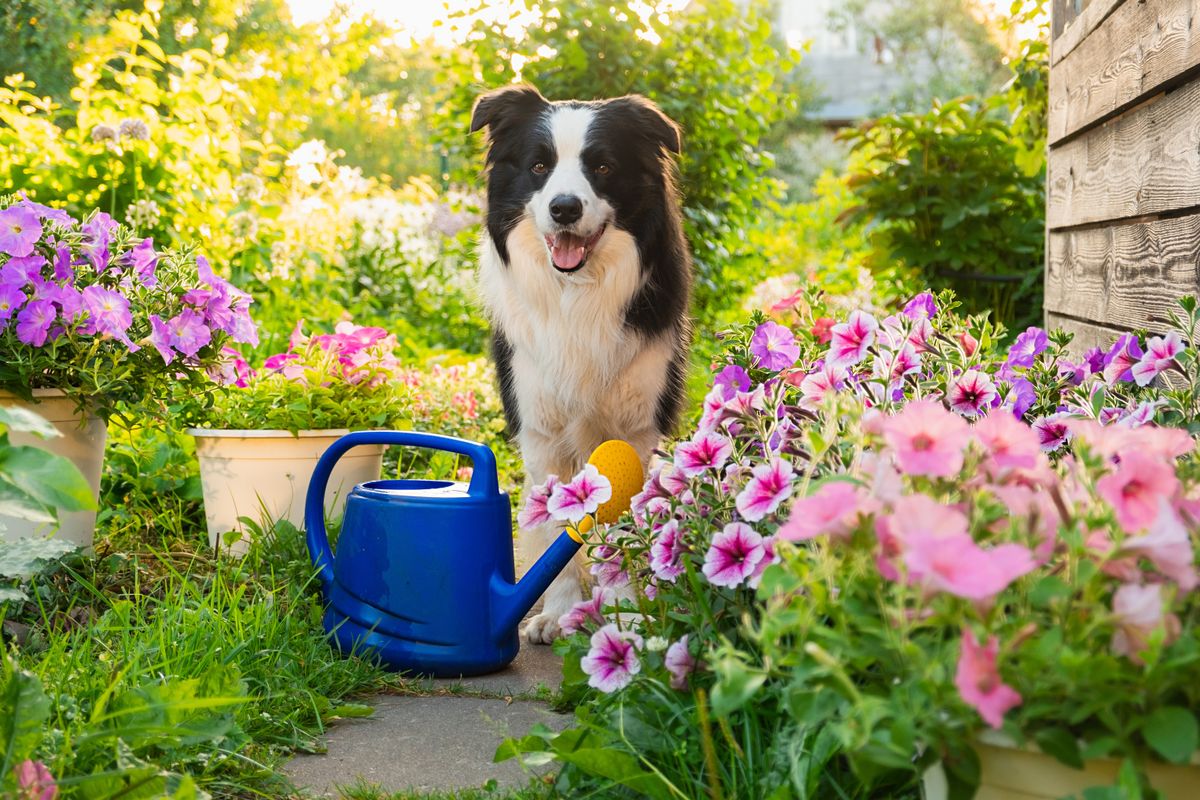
(769, 485)
(851, 339)
(581, 496)
(534, 512)
(733, 556)
(1121, 358)
(612, 660)
(585, 611)
(680, 662)
(1160, 356)
(973, 393)
(705, 452)
(665, 552)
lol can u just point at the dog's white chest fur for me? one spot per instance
(580, 375)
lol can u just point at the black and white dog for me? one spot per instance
(586, 277)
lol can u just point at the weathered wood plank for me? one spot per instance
(1087, 335)
(1145, 161)
(1138, 49)
(1127, 276)
(1070, 28)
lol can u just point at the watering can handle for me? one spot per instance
(483, 480)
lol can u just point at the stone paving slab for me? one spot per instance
(423, 743)
(535, 666)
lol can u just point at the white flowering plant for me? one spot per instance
(878, 543)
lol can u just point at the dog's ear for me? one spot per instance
(663, 129)
(498, 105)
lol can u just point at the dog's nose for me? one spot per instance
(566, 209)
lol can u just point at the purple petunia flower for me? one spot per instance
(731, 380)
(921, 307)
(733, 555)
(11, 299)
(612, 660)
(188, 333)
(64, 270)
(160, 337)
(21, 271)
(98, 233)
(1027, 347)
(1095, 360)
(773, 347)
(108, 314)
(34, 321)
(67, 299)
(20, 230)
(1020, 397)
(46, 213)
(1119, 361)
(144, 261)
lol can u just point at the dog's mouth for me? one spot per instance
(570, 251)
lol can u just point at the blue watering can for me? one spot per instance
(423, 576)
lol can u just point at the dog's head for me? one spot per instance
(574, 168)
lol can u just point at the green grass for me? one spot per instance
(536, 789)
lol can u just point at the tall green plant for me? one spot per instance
(713, 69)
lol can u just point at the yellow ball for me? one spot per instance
(619, 462)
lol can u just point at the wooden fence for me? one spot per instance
(1123, 182)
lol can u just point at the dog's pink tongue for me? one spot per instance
(567, 251)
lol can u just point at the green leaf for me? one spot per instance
(1173, 733)
(25, 558)
(26, 421)
(24, 707)
(50, 479)
(736, 684)
(16, 503)
(1062, 744)
(348, 711)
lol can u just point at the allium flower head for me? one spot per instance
(927, 439)
(581, 496)
(773, 347)
(733, 555)
(133, 129)
(612, 660)
(851, 339)
(20, 230)
(104, 133)
(973, 393)
(979, 683)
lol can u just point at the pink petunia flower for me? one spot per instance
(1168, 546)
(833, 510)
(581, 496)
(769, 557)
(822, 329)
(1139, 611)
(586, 611)
(680, 663)
(1136, 487)
(1160, 356)
(850, 340)
(34, 781)
(969, 343)
(665, 552)
(535, 511)
(705, 452)
(612, 660)
(1009, 444)
(978, 680)
(819, 383)
(773, 347)
(1052, 431)
(973, 393)
(953, 563)
(927, 439)
(769, 485)
(733, 555)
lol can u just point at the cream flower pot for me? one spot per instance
(1009, 772)
(82, 442)
(263, 475)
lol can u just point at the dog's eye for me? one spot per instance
(603, 169)
(539, 168)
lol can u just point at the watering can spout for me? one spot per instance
(512, 601)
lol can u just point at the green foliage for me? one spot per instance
(35, 484)
(716, 72)
(943, 193)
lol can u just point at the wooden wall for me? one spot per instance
(1123, 182)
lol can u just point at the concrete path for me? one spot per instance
(442, 740)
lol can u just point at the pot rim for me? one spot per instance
(42, 393)
(260, 433)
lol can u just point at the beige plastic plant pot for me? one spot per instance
(1009, 772)
(82, 442)
(263, 475)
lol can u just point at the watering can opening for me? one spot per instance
(413, 487)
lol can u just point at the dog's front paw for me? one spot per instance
(543, 628)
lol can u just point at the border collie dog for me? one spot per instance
(585, 274)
